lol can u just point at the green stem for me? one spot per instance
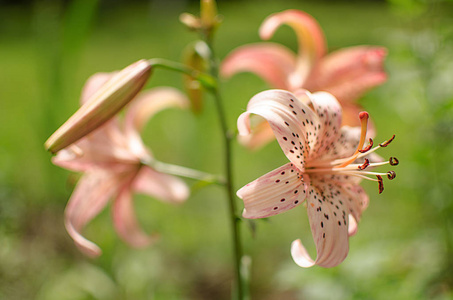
(208, 81)
(227, 137)
(184, 172)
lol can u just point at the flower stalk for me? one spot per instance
(184, 172)
(227, 138)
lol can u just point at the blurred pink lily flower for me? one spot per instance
(111, 159)
(346, 73)
(327, 163)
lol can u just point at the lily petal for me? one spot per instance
(294, 123)
(350, 72)
(346, 144)
(90, 196)
(273, 62)
(260, 135)
(329, 113)
(273, 193)
(125, 221)
(311, 41)
(104, 148)
(356, 199)
(146, 105)
(161, 186)
(328, 217)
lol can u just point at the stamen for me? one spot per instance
(391, 175)
(381, 183)
(367, 148)
(386, 143)
(365, 164)
(393, 161)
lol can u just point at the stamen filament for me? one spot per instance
(384, 144)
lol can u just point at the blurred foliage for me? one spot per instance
(404, 247)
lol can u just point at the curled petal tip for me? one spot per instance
(375, 57)
(300, 255)
(85, 246)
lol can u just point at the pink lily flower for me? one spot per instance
(327, 163)
(111, 159)
(346, 73)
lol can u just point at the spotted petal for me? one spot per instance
(328, 110)
(328, 217)
(273, 193)
(88, 199)
(294, 123)
(356, 200)
(310, 38)
(273, 62)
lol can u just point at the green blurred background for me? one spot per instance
(48, 48)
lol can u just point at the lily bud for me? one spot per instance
(196, 55)
(101, 106)
(208, 13)
(192, 22)
(208, 21)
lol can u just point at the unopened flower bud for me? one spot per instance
(196, 55)
(191, 21)
(101, 106)
(208, 13)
